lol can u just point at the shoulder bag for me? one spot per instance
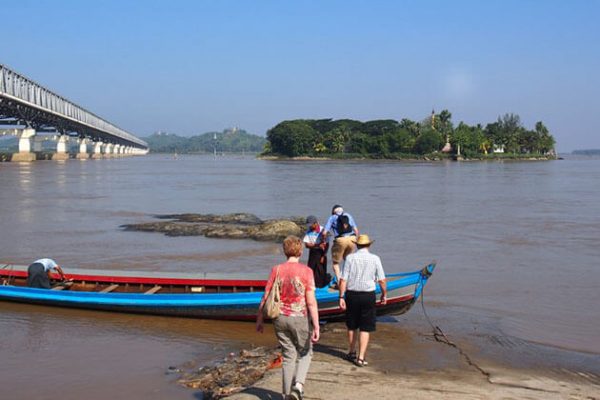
(272, 306)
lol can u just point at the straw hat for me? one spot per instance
(363, 240)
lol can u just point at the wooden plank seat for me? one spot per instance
(63, 286)
(109, 289)
(153, 290)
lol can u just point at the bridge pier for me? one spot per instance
(83, 154)
(97, 150)
(61, 149)
(26, 138)
(117, 150)
(108, 150)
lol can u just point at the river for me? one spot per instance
(517, 245)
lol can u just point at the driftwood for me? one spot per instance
(234, 374)
(228, 226)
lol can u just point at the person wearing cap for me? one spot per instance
(38, 273)
(362, 270)
(317, 246)
(344, 229)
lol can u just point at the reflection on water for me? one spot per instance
(515, 241)
(102, 355)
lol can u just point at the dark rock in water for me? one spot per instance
(233, 374)
(236, 218)
(275, 230)
(226, 232)
(228, 226)
(173, 370)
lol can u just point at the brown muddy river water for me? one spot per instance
(517, 245)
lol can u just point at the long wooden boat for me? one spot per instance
(201, 296)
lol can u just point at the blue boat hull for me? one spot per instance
(403, 290)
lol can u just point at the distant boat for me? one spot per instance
(206, 295)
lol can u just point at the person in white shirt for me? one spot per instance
(317, 244)
(362, 271)
(38, 273)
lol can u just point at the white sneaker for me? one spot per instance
(296, 394)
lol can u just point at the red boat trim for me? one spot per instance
(146, 281)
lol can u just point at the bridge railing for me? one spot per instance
(16, 86)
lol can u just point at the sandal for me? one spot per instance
(350, 356)
(361, 363)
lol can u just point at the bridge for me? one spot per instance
(36, 115)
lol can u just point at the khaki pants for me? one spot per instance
(342, 246)
(293, 334)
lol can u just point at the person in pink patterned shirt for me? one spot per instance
(297, 326)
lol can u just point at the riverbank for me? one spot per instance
(433, 157)
(404, 363)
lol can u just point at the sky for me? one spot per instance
(189, 67)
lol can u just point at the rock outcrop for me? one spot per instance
(234, 374)
(228, 226)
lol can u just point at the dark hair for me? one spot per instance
(334, 207)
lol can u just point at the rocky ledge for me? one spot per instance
(228, 226)
(233, 374)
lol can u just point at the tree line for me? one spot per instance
(390, 138)
(228, 141)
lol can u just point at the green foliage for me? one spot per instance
(428, 141)
(405, 139)
(293, 138)
(228, 141)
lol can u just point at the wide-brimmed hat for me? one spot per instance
(363, 240)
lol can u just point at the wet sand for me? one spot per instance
(408, 364)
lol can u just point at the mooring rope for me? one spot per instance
(441, 337)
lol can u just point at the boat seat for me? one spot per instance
(153, 290)
(63, 286)
(109, 289)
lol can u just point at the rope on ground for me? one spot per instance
(441, 337)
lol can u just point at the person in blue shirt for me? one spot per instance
(317, 247)
(344, 230)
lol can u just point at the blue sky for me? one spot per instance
(194, 66)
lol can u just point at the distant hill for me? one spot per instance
(228, 141)
(587, 152)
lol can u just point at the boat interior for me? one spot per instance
(134, 285)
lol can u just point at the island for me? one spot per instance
(435, 137)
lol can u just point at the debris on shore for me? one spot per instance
(227, 226)
(234, 374)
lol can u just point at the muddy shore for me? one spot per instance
(408, 364)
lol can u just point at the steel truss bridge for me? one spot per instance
(24, 102)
